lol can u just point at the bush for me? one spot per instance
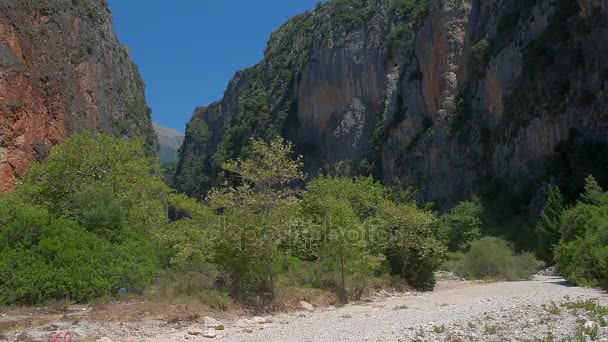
(582, 255)
(480, 52)
(43, 259)
(461, 225)
(493, 258)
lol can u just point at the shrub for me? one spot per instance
(582, 254)
(412, 244)
(480, 52)
(493, 258)
(43, 258)
(461, 225)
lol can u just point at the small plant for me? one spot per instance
(593, 332)
(13, 106)
(491, 329)
(439, 329)
(552, 308)
(480, 52)
(471, 325)
(549, 338)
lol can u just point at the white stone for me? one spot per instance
(260, 320)
(210, 333)
(194, 331)
(306, 305)
(590, 325)
(210, 322)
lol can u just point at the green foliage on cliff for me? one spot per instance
(417, 9)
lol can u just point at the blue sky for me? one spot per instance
(187, 50)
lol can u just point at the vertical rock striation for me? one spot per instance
(453, 97)
(62, 70)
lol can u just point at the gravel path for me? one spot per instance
(501, 304)
(455, 311)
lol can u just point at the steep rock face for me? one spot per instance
(322, 84)
(62, 70)
(453, 100)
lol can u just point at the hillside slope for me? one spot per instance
(453, 97)
(63, 70)
(169, 141)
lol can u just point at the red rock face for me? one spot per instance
(30, 122)
(62, 70)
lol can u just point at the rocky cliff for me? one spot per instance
(453, 97)
(63, 70)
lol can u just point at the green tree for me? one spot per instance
(548, 227)
(88, 158)
(593, 191)
(412, 240)
(266, 178)
(582, 253)
(461, 225)
(332, 206)
(96, 209)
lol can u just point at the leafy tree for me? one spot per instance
(413, 242)
(96, 209)
(582, 253)
(363, 194)
(87, 158)
(331, 205)
(461, 225)
(593, 191)
(266, 178)
(168, 172)
(548, 227)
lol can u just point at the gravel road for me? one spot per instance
(455, 311)
(515, 309)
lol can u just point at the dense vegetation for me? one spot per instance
(94, 218)
(78, 227)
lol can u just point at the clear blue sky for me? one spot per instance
(187, 50)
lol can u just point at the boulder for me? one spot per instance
(194, 331)
(307, 306)
(210, 333)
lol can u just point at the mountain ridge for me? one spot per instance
(451, 97)
(169, 140)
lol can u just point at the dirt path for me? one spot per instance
(456, 311)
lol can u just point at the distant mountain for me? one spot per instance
(169, 140)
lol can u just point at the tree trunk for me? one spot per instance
(273, 291)
(344, 295)
(403, 264)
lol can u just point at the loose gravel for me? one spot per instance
(455, 311)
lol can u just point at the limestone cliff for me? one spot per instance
(63, 70)
(453, 97)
